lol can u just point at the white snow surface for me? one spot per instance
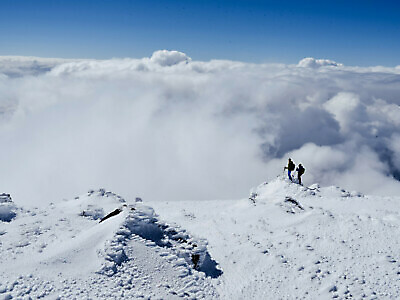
(64, 252)
(285, 242)
(294, 242)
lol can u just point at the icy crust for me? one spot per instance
(65, 252)
(7, 208)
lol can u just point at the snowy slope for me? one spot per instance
(293, 242)
(285, 242)
(64, 252)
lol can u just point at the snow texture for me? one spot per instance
(286, 242)
(64, 252)
(293, 242)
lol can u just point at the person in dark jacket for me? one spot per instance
(290, 167)
(300, 171)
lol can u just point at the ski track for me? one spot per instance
(289, 242)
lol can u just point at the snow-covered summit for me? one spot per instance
(293, 242)
(286, 241)
(282, 188)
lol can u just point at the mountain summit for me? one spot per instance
(285, 241)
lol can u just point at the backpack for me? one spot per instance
(301, 170)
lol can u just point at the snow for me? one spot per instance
(285, 242)
(65, 252)
(298, 242)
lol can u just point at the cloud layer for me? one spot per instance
(170, 128)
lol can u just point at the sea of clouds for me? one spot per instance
(170, 128)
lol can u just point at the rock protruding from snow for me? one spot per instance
(7, 208)
(5, 198)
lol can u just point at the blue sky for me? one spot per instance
(351, 32)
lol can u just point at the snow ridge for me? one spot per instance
(65, 252)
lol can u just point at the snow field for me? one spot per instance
(285, 242)
(293, 242)
(65, 253)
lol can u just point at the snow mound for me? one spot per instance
(77, 249)
(141, 221)
(95, 204)
(279, 189)
(282, 189)
(7, 208)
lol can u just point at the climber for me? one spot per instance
(290, 167)
(300, 171)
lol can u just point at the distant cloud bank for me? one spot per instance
(311, 62)
(168, 127)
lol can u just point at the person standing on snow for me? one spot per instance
(300, 171)
(290, 167)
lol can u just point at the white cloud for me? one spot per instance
(346, 108)
(310, 62)
(166, 129)
(169, 58)
(394, 147)
(15, 66)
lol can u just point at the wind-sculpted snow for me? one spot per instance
(198, 130)
(65, 252)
